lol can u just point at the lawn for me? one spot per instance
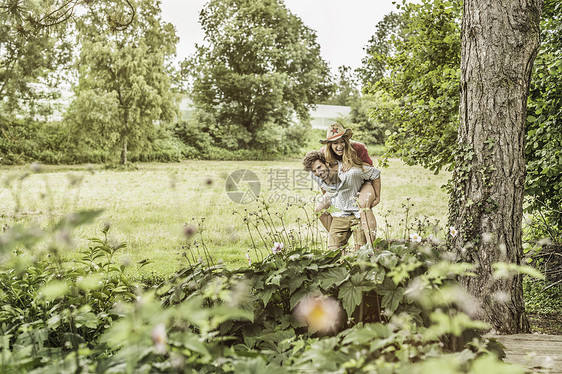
(148, 208)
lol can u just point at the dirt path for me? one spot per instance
(538, 352)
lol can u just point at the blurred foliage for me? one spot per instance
(397, 310)
(258, 67)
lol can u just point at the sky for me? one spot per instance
(343, 27)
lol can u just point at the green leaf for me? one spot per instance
(386, 259)
(54, 290)
(90, 282)
(266, 295)
(387, 286)
(503, 270)
(366, 334)
(193, 343)
(77, 219)
(333, 277)
(87, 319)
(274, 279)
(392, 299)
(295, 283)
(444, 323)
(296, 297)
(351, 297)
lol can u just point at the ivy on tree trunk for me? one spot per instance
(500, 40)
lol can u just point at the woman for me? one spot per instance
(340, 148)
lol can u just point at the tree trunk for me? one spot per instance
(124, 152)
(500, 39)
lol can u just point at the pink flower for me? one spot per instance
(277, 247)
(320, 313)
(189, 231)
(159, 338)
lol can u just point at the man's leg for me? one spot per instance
(358, 233)
(339, 233)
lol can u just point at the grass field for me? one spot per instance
(148, 208)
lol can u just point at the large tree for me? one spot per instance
(381, 45)
(500, 40)
(124, 89)
(258, 66)
(426, 110)
(345, 88)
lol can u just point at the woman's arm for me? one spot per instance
(377, 187)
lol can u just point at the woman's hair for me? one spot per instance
(349, 157)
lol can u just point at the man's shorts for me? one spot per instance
(341, 229)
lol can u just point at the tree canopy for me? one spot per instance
(258, 67)
(28, 56)
(124, 87)
(423, 80)
(423, 63)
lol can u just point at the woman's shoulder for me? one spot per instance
(356, 145)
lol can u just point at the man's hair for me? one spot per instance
(311, 157)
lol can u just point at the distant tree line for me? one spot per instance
(252, 81)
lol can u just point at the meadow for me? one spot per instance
(150, 206)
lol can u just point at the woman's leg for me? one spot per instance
(368, 221)
(324, 217)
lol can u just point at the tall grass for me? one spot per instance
(149, 208)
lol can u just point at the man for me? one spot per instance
(341, 188)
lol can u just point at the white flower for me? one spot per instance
(320, 313)
(159, 338)
(415, 237)
(248, 258)
(453, 231)
(277, 247)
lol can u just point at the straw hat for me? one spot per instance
(336, 131)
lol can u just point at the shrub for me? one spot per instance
(29, 141)
(87, 316)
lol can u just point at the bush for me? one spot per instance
(542, 300)
(30, 141)
(86, 316)
(195, 137)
